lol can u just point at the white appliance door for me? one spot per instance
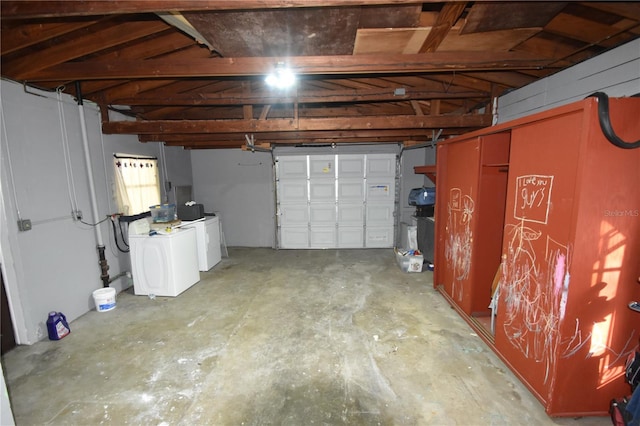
(152, 270)
(182, 258)
(212, 242)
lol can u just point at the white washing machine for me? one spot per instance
(208, 240)
(165, 264)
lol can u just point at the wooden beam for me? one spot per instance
(435, 107)
(21, 9)
(301, 65)
(31, 34)
(416, 107)
(81, 46)
(265, 112)
(328, 96)
(290, 125)
(294, 136)
(446, 19)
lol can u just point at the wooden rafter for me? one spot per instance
(303, 65)
(446, 19)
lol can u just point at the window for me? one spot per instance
(137, 183)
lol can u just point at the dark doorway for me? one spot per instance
(8, 341)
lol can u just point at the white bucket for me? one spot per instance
(105, 299)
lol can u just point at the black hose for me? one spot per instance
(124, 240)
(605, 122)
(115, 237)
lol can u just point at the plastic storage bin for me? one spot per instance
(409, 262)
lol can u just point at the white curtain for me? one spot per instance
(137, 184)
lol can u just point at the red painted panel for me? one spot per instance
(599, 328)
(536, 247)
(459, 193)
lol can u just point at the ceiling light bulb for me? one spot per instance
(281, 78)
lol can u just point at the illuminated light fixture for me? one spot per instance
(281, 77)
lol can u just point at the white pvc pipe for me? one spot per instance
(92, 188)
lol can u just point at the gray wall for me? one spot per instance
(54, 266)
(409, 180)
(239, 186)
(616, 72)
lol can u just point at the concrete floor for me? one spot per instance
(276, 337)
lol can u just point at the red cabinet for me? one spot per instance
(471, 188)
(545, 212)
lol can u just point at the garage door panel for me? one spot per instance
(294, 237)
(322, 166)
(350, 214)
(351, 166)
(322, 214)
(379, 214)
(351, 190)
(294, 167)
(350, 236)
(336, 201)
(381, 190)
(381, 165)
(322, 191)
(294, 215)
(292, 191)
(379, 237)
(323, 237)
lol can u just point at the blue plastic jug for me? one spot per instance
(57, 326)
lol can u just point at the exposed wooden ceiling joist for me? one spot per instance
(284, 137)
(21, 9)
(337, 96)
(291, 125)
(370, 71)
(303, 65)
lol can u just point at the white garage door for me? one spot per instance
(336, 201)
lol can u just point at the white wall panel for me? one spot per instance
(616, 72)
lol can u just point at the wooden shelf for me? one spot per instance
(428, 171)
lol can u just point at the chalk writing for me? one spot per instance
(533, 198)
(459, 239)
